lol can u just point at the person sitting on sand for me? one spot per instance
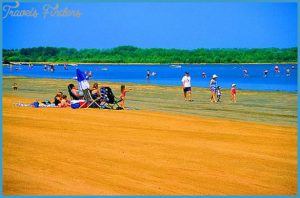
(58, 98)
(123, 95)
(233, 93)
(213, 88)
(64, 101)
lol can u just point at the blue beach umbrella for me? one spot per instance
(82, 82)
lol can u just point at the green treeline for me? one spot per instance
(130, 54)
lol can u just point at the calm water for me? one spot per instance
(167, 75)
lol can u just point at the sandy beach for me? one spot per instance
(157, 150)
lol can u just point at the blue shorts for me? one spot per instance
(186, 89)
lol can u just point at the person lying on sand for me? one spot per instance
(57, 98)
(64, 102)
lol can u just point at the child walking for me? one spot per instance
(123, 95)
(219, 94)
(233, 93)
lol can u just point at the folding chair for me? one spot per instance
(109, 98)
(89, 100)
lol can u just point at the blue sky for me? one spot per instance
(156, 25)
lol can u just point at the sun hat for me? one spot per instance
(214, 76)
(233, 85)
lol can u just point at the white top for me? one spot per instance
(186, 80)
(83, 85)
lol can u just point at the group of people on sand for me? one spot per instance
(213, 87)
(61, 100)
(95, 92)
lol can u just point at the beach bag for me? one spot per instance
(75, 104)
(36, 104)
(83, 104)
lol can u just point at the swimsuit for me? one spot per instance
(213, 86)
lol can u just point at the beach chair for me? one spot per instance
(90, 102)
(72, 96)
(108, 98)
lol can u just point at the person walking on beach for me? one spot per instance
(233, 93)
(187, 87)
(15, 86)
(123, 96)
(219, 94)
(213, 88)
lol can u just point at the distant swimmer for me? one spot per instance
(266, 73)
(293, 67)
(45, 67)
(276, 68)
(52, 68)
(65, 67)
(88, 75)
(153, 73)
(148, 74)
(245, 71)
(288, 72)
(203, 75)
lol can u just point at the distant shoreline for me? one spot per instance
(79, 63)
(141, 84)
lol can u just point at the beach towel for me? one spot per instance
(36, 105)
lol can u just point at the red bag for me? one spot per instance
(83, 104)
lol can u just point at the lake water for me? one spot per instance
(166, 75)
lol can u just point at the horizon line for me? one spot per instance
(151, 48)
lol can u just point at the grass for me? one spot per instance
(277, 108)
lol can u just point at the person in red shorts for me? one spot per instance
(233, 93)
